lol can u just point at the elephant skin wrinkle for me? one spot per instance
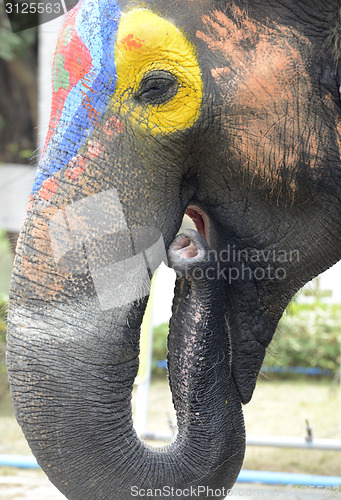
(229, 111)
(199, 372)
(266, 83)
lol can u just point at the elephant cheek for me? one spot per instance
(34, 263)
(36, 274)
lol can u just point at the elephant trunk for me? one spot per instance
(72, 388)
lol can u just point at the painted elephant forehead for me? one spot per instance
(147, 43)
(84, 79)
(101, 58)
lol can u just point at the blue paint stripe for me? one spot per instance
(97, 25)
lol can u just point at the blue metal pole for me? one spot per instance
(19, 461)
(286, 478)
(245, 476)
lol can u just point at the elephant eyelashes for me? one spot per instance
(157, 87)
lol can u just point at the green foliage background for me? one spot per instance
(14, 45)
(308, 335)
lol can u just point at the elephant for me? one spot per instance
(229, 112)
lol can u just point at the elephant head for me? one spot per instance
(228, 111)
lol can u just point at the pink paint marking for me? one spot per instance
(76, 167)
(30, 203)
(74, 173)
(48, 189)
(113, 126)
(58, 99)
(95, 149)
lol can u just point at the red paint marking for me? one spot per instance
(76, 167)
(58, 99)
(93, 114)
(48, 189)
(77, 67)
(94, 149)
(81, 64)
(29, 203)
(113, 126)
(130, 42)
(74, 173)
(90, 89)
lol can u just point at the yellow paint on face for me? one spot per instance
(146, 42)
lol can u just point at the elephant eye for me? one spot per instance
(157, 87)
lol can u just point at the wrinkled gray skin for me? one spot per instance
(262, 161)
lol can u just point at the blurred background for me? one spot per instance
(300, 380)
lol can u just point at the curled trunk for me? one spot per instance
(72, 380)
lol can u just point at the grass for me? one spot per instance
(6, 263)
(278, 408)
(281, 408)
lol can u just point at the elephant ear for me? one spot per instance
(335, 42)
(336, 35)
(251, 331)
(338, 76)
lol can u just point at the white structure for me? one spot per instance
(48, 34)
(16, 180)
(331, 280)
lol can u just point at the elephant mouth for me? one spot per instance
(201, 221)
